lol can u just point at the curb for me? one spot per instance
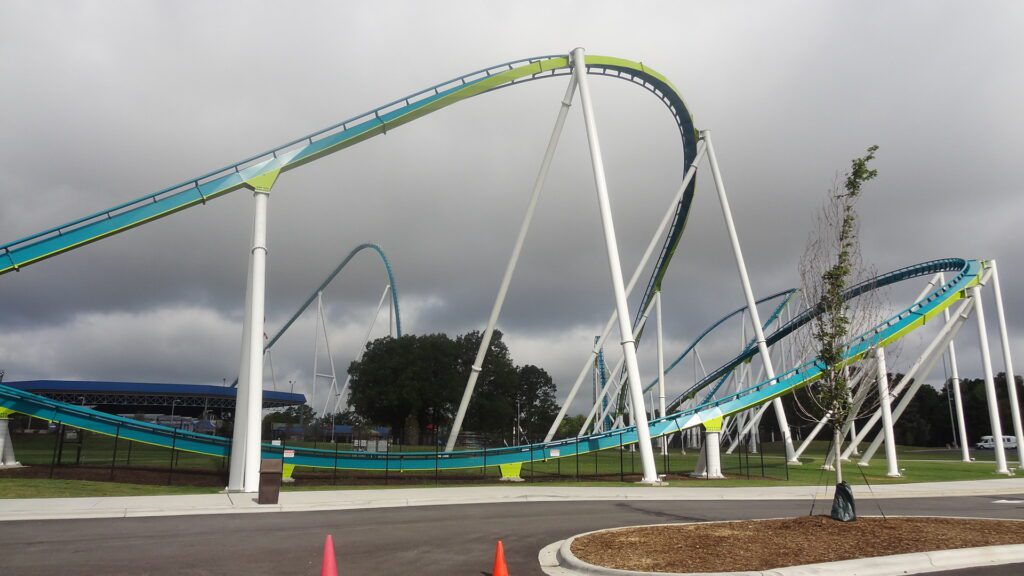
(557, 559)
(186, 505)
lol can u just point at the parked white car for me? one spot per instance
(987, 443)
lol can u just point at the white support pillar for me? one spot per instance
(244, 473)
(916, 377)
(748, 294)
(883, 397)
(940, 341)
(990, 385)
(366, 340)
(669, 214)
(330, 356)
(954, 372)
(636, 393)
(614, 382)
(236, 469)
(7, 459)
(510, 268)
(661, 370)
(712, 449)
(1011, 378)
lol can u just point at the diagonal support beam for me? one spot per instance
(499, 301)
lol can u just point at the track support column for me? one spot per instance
(1011, 379)
(673, 206)
(954, 374)
(883, 397)
(990, 386)
(244, 474)
(755, 318)
(7, 459)
(636, 393)
(661, 369)
(485, 340)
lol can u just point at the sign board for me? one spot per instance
(275, 442)
(289, 453)
(556, 452)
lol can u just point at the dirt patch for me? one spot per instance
(767, 544)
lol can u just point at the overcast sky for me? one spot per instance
(106, 101)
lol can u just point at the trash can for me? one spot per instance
(270, 481)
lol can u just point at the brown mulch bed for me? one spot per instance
(767, 544)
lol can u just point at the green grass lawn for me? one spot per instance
(98, 450)
(607, 468)
(44, 488)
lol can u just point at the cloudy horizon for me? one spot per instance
(106, 104)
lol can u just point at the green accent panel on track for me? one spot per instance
(511, 471)
(713, 425)
(264, 182)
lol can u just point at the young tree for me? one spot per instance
(831, 264)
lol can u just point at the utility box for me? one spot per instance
(270, 481)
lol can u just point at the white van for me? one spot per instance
(987, 443)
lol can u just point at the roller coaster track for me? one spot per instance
(261, 171)
(966, 274)
(330, 278)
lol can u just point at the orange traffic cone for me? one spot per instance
(329, 567)
(500, 569)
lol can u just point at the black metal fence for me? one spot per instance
(57, 451)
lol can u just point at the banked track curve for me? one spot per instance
(966, 273)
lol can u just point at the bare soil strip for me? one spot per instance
(767, 544)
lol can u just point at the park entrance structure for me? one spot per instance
(742, 405)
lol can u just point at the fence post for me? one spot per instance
(760, 452)
(435, 459)
(113, 458)
(174, 445)
(334, 473)
(56, 447)
(531, 461)
(387, 460)
(485, 460)
(577, 477)
(621, 477)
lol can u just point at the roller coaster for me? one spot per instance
(260, 172)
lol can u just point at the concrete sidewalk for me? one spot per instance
(136, 506)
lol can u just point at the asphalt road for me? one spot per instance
(393, 541)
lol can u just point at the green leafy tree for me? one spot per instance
(570, 426)
(535, 396)
(414, 384)
(492, 410)
(408, 383)
(831, 264)
(291, 415)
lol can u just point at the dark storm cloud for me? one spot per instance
(103, 103)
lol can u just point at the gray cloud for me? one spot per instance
(105, 103)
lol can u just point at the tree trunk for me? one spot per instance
(412, 430)
(837, 440)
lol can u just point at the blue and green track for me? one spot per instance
(261, 172)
